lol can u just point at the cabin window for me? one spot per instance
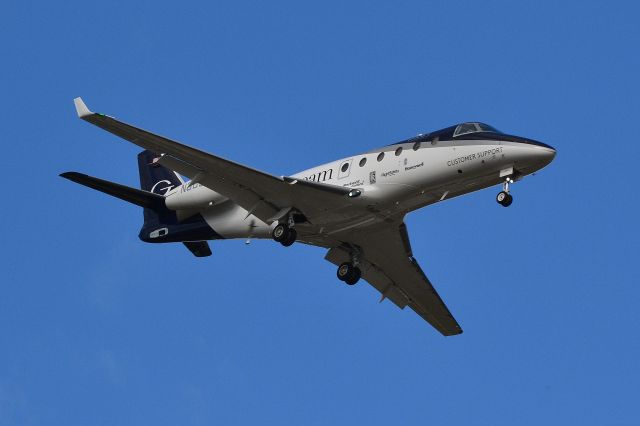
(344, 167)
(416, 146)
(380, 156)
(363, 162)
(398, 151)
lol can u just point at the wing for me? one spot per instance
(266, 196)
(387, 263)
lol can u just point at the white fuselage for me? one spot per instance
(393, 180)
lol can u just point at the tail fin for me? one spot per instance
(162, 225)
(154, 177)
(159, 180)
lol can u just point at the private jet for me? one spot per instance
(354, 207)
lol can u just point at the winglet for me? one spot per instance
(81, 108)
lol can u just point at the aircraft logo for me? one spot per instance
(166, 189)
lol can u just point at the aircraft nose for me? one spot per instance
(543, 154)
(548, 153)
(535, 154)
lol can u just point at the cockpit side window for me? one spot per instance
(486, 128)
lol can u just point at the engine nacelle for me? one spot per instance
(191, 197)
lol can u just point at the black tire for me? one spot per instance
(501, 197)
(504, 199)
(291, 238)
(355, 276)
(280, 233)
(345, 270)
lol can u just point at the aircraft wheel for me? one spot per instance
(281, 233)
(355, 277)
(348, 273)
(291, 238)
(505, 199)
(344, 271)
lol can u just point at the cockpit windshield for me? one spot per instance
(466, 128)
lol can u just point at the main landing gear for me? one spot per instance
(284, 234)
(349, 273)
(504, 198)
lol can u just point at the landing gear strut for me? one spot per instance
(504, 198)
(348, 273)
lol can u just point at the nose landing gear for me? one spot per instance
(504, 198)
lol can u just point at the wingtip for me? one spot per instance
(81, 108)
(69, 175)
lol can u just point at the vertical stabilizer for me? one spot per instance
(161, 225)
(154, 177)
(158, 180)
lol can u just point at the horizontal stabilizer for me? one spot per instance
(132, 195)
(198, 248)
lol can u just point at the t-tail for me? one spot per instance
(160, 225)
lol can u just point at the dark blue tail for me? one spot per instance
(158, 180)
(161, 224)
(154, 177)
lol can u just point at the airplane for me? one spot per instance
(354, 207)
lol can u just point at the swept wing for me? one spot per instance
(266, 196)
(387, 263)
(383, 248)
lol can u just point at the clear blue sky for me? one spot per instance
(98, 328)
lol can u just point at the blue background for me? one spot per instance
(98, 328)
